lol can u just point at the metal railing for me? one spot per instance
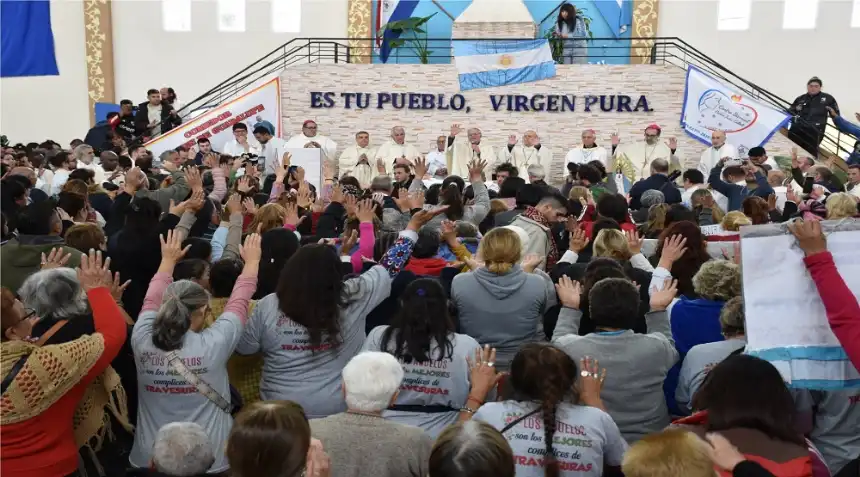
(664, 51)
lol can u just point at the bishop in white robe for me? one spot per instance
(357, 160)
(635, 159)
(588, 151)
(309, 134)
(463, 150)
(396, 148)
(530, 152)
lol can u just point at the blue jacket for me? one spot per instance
(694, 322)
(656, 182)
(737, 193)
(850, 128)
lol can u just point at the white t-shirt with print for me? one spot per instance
(585, 438)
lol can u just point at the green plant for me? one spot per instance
(417, 42)
(556, 44)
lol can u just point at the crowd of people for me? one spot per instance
(205, 313)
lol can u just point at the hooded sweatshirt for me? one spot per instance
(22, 257)
(504, 311)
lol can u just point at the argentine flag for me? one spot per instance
(484, 64)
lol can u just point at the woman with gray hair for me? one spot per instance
(182, 449)
(360, 441)
(182, 368)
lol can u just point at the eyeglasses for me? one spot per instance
(310, 127)
(651, 135)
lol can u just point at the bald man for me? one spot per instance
(530, 152)
(588, 151)
(395, 148)
(718, 150)
(462, 151)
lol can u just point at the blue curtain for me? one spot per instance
(26, 39)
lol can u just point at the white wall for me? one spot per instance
(145, 56)
(55, 107)
(779, 60)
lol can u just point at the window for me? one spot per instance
(800, 14)
(733, 14)
(855, 15)
(176, 15)
(287, 16)
(231, 15)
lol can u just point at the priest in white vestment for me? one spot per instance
(530, 152)
(356, 160)
(718, 150)
(588, 151)
(437, 159)
(463, 150)
(396, 148)
(309, 134)
(635, 159)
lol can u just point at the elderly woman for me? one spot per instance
(44, 387)
(182, 449)
(696, 321)
(359, 440)
(471, 448)
(701, 358)
(182, 368)
(501, 303)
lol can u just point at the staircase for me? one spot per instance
(665, 51)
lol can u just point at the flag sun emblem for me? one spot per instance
(506, 60)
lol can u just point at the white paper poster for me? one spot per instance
(710, 105)
(260, 104)
(786, 323)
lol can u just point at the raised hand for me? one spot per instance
(661, 299)
(771, 202)
(416, 200)
(93, 273)
(569, 292)
(420, 167)
(634, 243)
(300, 174)
(482, 373)
(578, 240)
(530, 262)
(402, 200)
(349, 202)
(795, 162)
(336, 194)
(476, 169)
(348, 242)
(171, 247)
(250, 206)
(177, 209)
(250, 251)
(117, 289)
(380, 166)
(292, 216)
(456, 129)
(423, 216)
(616, 140)
(193, 178)
(303, 195)
(672, 143)
(55, 259)
(196, 201)
(448, 231)
(244, 185)
(809, 237)
(674, 248)
(365, 211)
(234, 204)
(590, 381)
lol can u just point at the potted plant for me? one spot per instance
(410, 34)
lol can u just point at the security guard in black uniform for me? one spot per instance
(810, 116)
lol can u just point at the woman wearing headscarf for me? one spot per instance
(182, 368)
(51, 396)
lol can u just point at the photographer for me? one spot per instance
(241, 143)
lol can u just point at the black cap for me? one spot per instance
(814, 79)
(757, 151)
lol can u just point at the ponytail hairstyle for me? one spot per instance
(500, 249)
(181, 300)
(423, 317)
(543, 373)
(451, 194)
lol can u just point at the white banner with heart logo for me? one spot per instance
(710, 105)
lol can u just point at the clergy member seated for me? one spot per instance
(719, 149)
(437, 158)
(465, 150)
(530, 152)
(355, 160)
(241, 143)
(395, 148)
(635, 159)
(659, 180)
(308, 135)
(588, 151)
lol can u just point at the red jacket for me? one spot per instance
(44, 446)
(588, 222)
(843, 311)
(426, 266)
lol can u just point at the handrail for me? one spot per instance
(664, 50)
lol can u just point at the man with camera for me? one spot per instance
(241, 143)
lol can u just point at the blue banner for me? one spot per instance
(26, 39)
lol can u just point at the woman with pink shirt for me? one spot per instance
(181, 367)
